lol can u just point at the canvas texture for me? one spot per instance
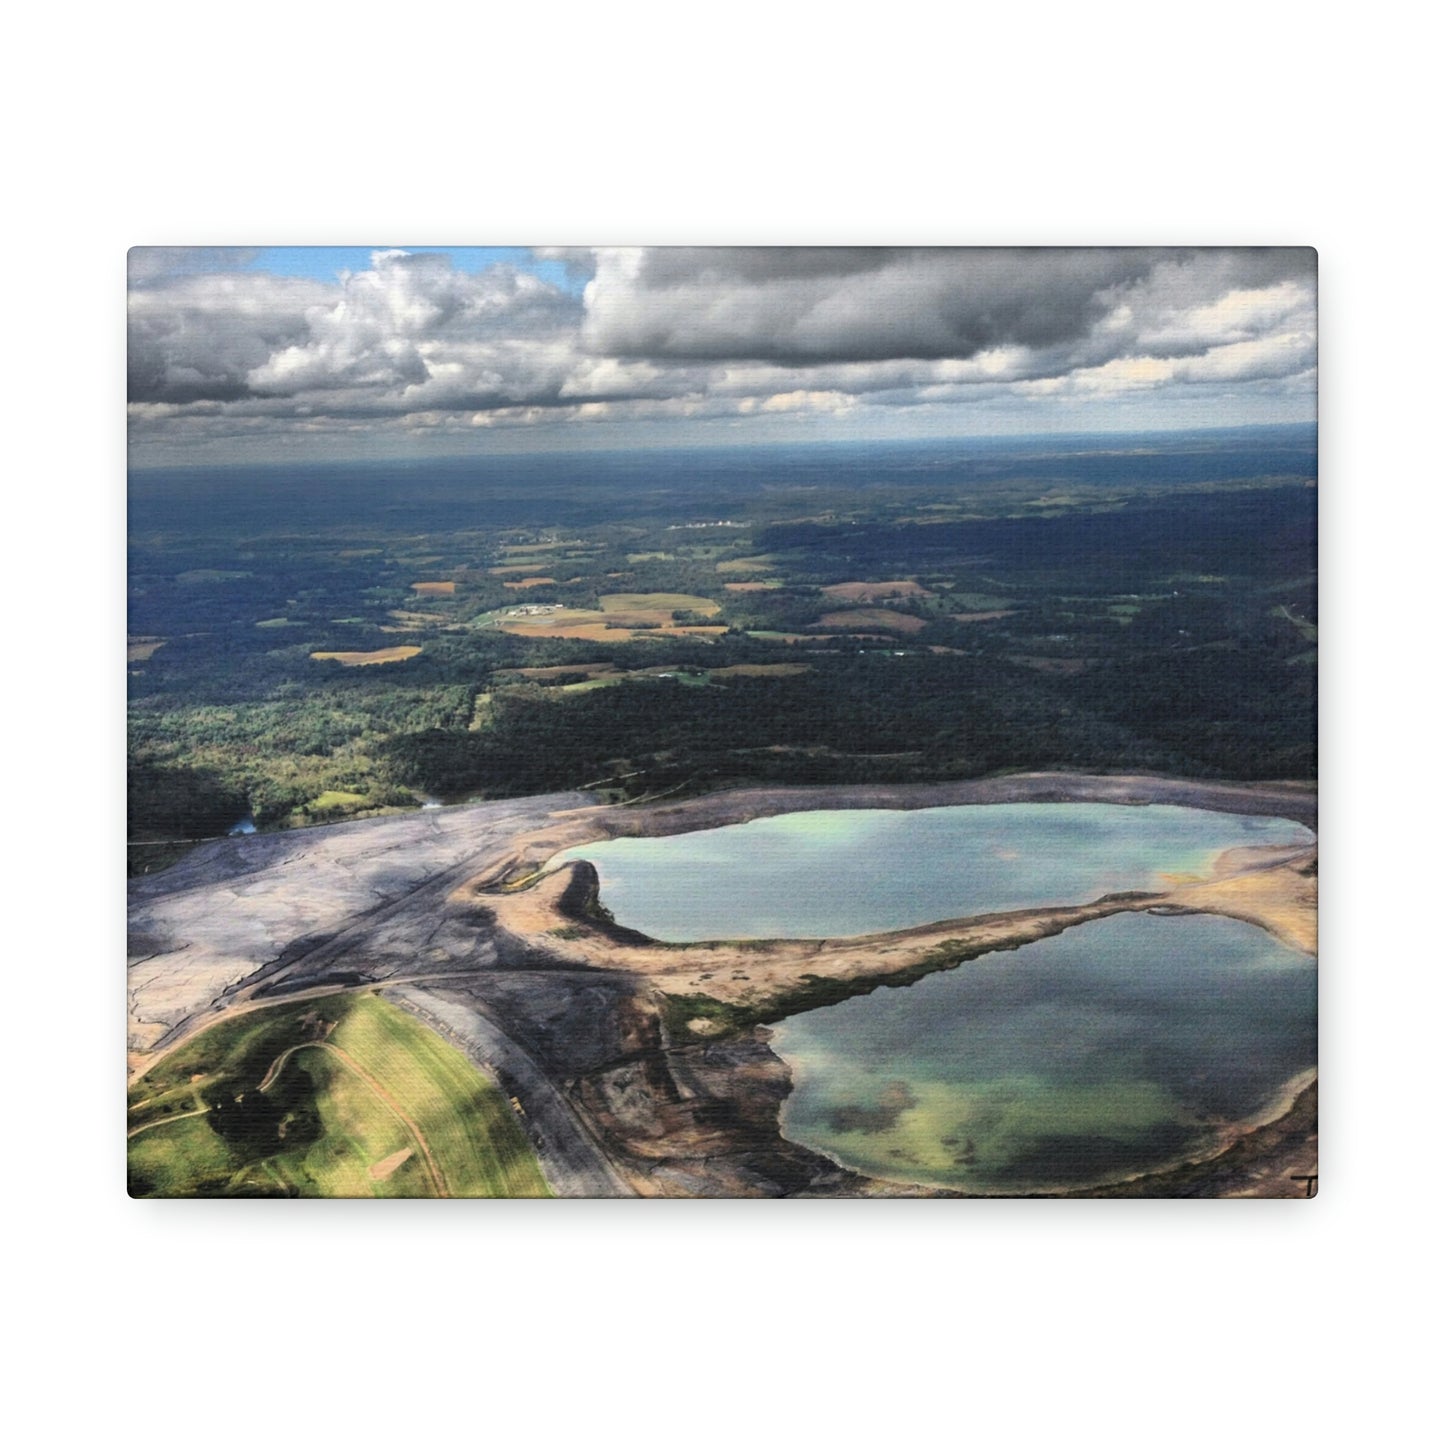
(722, 723)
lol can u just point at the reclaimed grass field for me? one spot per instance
(340, 1097)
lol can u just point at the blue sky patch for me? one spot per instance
(326, 263)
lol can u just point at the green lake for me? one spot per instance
(833, 874)
(1120, 1046)
(1114, 1048)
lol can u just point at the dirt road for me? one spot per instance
(575, 1022)
(243, 912)
(573, 1163)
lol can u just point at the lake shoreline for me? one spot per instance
(1293, 800)
(681, 1106)
(720, 994)
(840, 873)
(1271, 1155)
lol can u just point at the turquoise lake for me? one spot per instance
(833, 874)
(1114, 1048)
(1120, 1046)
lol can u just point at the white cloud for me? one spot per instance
(412, 343)
(197, 337)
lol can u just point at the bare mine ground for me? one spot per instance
(642, 1068)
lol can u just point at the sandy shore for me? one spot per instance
(555, 917)
(1296, 801)
(555, 914)
(657, 1049)
(723, 989)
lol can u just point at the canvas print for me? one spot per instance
(722, 723)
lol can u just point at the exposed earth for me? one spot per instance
(639, 1067)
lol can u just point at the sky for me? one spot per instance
(265, 354)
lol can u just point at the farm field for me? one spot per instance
(873, 617)
(704, 722)
(654, 604)
(874, 591)
(450, 568)
(932, 628)
(367, 659)
(340, 1097)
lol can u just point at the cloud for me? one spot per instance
(413, 343)
(809, 306)
(146, 265)
(195, 338)
(417, 331)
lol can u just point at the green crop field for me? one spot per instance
(341, 1097)
(666, 602)
(229, 720)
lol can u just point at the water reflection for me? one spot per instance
(1116, 1047)
(833, 874)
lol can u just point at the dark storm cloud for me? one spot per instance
(806, 306)
(820, 306)
(667, 266)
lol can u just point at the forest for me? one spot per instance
(311, 644)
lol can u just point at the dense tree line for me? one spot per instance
(1143, 630)
(885, 718)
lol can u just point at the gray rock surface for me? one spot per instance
(273, 912)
